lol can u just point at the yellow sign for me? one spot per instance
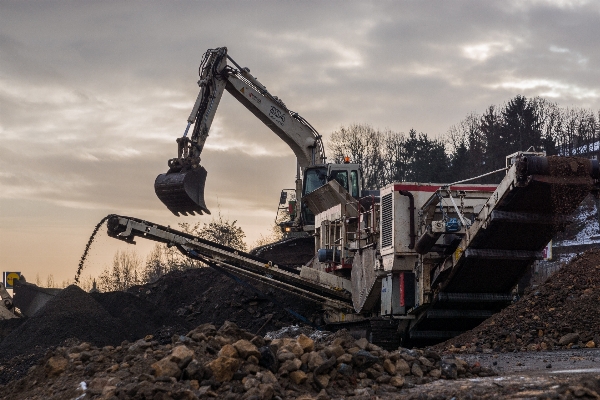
(457, 253)
(9, 278)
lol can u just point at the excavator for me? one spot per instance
(181, 188)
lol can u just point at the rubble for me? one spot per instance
(228, 363)
(563, 312)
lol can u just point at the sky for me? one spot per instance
(94, 94)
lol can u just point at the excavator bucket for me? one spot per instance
(182, 192)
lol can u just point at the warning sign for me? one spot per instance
(9, 278)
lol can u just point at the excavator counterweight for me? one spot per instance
(183, 192)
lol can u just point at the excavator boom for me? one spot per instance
(181, 188)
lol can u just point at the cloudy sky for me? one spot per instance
(93, 95)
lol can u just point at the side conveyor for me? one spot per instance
(233, 261)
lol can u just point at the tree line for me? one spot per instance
(476, 145)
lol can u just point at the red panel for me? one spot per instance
(402, 300)
(433, 188)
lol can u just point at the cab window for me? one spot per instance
(314, 179)
(354, 183)
(341, 177)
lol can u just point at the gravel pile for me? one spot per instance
(564, 312)
(74, 315)
(204, 295)
(172, 305)
(231, 363)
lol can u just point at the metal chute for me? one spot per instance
(183, 192)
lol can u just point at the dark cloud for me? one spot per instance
(93, 95)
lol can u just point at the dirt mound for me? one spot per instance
(100, 319)
(170, 306)
(72, 313)
(139, 317)
(204, 295)
(563, 312)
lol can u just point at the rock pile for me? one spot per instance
(564, 312)
(100, 319)
(232, 363)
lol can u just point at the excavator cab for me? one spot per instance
(347, 175)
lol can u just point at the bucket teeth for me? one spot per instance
(183, 192)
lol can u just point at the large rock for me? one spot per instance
(285, 355)
(568, 338)
(266, 377)
(181, 355)
(56, 366)
(298, 377)
(326, 366)
(223, 368)
(449, 369)
(306, 343)
(166, 368)
(416, 370)
(397, 381)
(402, 367)
(336, 350)
(266, 391)
(228, 351)
(230, 329)
(194, 370)
(389, 367)
(290, 365)
(363, 359)
(207, 330)
(246, 349)
(322, 381)
(267, 359)
(314, 360)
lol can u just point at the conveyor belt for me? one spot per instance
(531, 204)
(234, 261)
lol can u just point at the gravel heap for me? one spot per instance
(172, 305)
(232, 363)
(74, 315)
(564, 312)
(204, 295)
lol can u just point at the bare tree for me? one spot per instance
(124, 273)
(219, 230)
(364, 146)
(157, 263)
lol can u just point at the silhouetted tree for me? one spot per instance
(363, 145)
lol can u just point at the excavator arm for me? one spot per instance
(181, 189)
